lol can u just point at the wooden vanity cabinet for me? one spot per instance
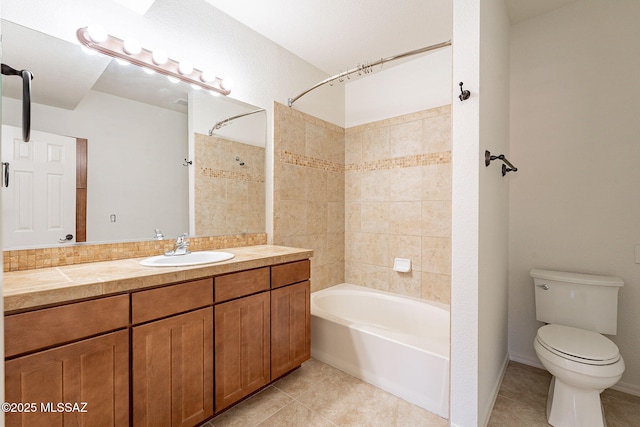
(290, 317)
(175, 355)
(172, 357)
(242, 335)
(51, 361)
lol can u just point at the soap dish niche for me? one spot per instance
(402, 265)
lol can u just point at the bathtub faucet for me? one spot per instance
(181, 247)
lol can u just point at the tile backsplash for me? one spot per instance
(28, 259)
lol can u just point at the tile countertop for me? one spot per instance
(45, 286)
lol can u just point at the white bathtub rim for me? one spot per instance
(352, 287)
(440, 350)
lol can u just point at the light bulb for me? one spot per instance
(122, 61)
(227, 84)
(132, 46)
(195, 86)
(159, 57)
(185, 68)
(148, 70)
(97, 34)
(173, 79)
(208, 76)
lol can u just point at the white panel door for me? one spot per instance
(38, 206)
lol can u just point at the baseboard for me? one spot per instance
(627, 388)
(526, 360)
(495, 390)
(620, 386)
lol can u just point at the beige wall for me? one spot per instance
(365, 196)
(574, 202)
(229, 197)
(398, 203)
(309, 191)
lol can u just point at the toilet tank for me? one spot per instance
(583, 301)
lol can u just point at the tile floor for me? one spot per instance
(522, 401)
(319, 395)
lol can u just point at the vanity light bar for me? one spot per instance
(132, 52)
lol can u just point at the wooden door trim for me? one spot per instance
(81, 189)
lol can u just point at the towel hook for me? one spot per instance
(187, 163)
(488, 158)
(464, 94)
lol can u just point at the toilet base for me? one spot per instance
(568, 406)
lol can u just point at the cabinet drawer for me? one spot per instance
(26, 332)
(236, 285)
(293, 272)
(174, 299)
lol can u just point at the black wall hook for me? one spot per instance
(488, 158)
(187, 162)
(26, 97)
(464, 94)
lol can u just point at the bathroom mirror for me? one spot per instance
(140, 132)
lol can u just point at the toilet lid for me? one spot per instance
(578, 344)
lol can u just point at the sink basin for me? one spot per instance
(193, 258)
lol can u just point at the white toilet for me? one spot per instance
(577, 309)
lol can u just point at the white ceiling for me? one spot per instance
(335, 35)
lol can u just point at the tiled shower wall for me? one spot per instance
(363, 196)
(309, 191)
(229, 196)
(398, 203)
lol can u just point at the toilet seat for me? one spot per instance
(578, 345)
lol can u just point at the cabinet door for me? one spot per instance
(173, 370)
(290, 328)
(242, 345)
(94, 371)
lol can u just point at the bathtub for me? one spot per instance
(397, 343)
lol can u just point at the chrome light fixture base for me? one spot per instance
(115, 47)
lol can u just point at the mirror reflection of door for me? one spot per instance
(39, 203)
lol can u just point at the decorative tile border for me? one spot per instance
(311, 162)
(239, 176)
(401, 162)
(383, 164)
(29, 259)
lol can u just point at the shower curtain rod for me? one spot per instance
(226, 121)
(366, 68)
